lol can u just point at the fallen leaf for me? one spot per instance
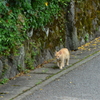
(89, 49)
(58, 80)
(41, 89)
(1, 96)
(94, 44)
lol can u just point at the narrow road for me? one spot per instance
(83, 83)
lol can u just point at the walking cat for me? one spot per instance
(62, 57)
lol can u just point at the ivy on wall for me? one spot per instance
(17, 16)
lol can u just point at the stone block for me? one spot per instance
(1, 67)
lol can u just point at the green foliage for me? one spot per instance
(4, 80)
(29, 63)
(10, 36)
(17, 16)
(26, 71)
(5, 68)
(19, 68)
(31, 54)
(86, 38)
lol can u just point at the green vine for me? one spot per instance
(17, 16)
(3, 81)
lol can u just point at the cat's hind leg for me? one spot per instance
(67, 61)
(62, 64)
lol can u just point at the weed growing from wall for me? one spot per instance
(4, 80)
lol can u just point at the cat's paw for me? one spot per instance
(67, 64)
(60, 67)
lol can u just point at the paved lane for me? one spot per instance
(83, 83)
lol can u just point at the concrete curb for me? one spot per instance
(57, 75)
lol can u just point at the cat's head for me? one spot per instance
(58, 55)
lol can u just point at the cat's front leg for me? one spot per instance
(62, 64)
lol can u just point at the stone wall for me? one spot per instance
(81, 26)
(82, 22)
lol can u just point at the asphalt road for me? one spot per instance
(83, 83)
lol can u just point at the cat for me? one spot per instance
(62, 56)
